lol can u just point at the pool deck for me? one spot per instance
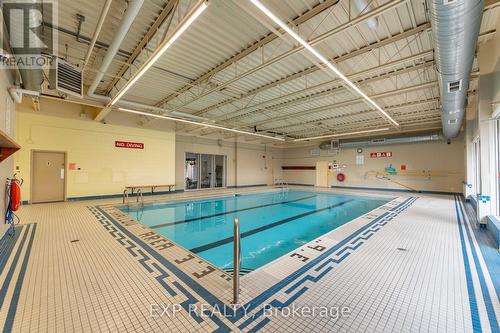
(412, 265)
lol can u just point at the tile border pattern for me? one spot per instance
(175, 279)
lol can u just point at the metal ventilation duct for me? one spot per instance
(455, 29)
(383, 141)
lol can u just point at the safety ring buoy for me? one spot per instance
(341, 177)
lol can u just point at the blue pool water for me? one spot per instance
(272, 223)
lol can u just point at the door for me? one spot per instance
(219, 161)
(47, 176)
(322, 174)
(206, 171)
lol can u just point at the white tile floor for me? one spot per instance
(409, 266)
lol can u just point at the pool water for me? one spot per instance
(272, 223)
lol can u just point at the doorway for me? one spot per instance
(48, 176)
(204, 171)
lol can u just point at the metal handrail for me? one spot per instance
(139, 195)
(236, 260)
(125, 196)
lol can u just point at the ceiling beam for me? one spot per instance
(391, 108)
(375, 12)
(339, 89)
(312, 69)
(350, 102)
(355, 77)
(243, 53)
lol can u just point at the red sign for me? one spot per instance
(381, 154)
(132, 145)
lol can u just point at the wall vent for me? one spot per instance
(454, 86)
(67, 78)
(377, 141)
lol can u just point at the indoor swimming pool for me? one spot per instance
(272, 223)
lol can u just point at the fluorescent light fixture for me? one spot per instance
(321, 58)
(188, 20)
(341, 134)
(199, 124)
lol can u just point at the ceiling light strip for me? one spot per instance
(148, 114)
(197, 10)
(341, 134)
(321, 58)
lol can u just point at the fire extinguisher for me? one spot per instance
(12, 200)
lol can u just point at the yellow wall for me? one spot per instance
(445, 161)
(104, 168)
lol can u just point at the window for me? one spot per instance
(204, 171)
(497, 164)
(476, 166)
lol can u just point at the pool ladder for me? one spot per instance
(138, 195)
(281, 183)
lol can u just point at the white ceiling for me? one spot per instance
(212, 70)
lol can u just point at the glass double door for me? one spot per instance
(204, 171)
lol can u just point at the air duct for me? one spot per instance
(455, 29)
(131, 13)
(384, 141)
(16, 22)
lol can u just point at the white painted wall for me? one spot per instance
(439, 157)
(481, 125)
(247, 164)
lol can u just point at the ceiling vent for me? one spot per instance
(454, 86)
(67, 78)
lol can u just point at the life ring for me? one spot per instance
(340, 177)
(15, 195)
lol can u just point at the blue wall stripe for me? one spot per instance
(19, 283)
(490, 310)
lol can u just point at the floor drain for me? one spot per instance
(75, 240)
(401, 249)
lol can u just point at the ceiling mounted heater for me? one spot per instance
(66, 78)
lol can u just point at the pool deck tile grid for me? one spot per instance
(411, 266)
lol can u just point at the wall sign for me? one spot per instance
(131, 145)
(381, 154)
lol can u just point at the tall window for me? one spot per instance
(496, 176)
(476, 166)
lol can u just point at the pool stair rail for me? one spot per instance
(138, 195)
(236, 260)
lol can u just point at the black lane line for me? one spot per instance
(264, 227)
(228, 212)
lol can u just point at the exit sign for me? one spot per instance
(381, 154)
(127, 144)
